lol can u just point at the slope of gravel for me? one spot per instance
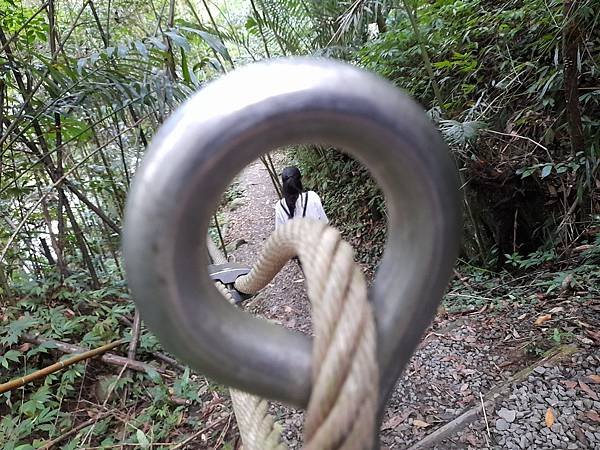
(460, 359)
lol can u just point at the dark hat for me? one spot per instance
(291, 172)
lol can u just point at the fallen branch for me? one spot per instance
(164, 358)
(189, 439)
(49, 444)
(83, 355)
(135, 336)
(552, 356)
(168, 360)
(108, 358)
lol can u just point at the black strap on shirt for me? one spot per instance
(305, 205)
(282, 201)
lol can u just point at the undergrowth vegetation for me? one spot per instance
(497, 88)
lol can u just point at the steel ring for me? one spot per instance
(225, 126)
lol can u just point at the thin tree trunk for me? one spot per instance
(60, 261)
(109, 243)
(139, 126)
(5, 290)
(60, 242)
(380, 19)
(273, 176)
(119, 201)
(215, 27)
(410, 11)
(79, 237)
(277, 37)
(171, 58)
(2, 96)
(570, 45)
(122, 151)
(260, 28)
(103, 35)
(47, 252)
(101, 214)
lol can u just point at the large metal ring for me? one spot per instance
(225, 126)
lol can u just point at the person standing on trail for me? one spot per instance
(296, 202)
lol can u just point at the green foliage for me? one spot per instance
(42, 410)
(351, 198)
(532, 260)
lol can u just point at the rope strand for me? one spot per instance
(342, 410)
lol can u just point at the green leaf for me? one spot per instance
(142, 439)
(154, 376)
(547, 170)
(158, 43)
(42, 348)
(141, 48)
(81, 63)
(213, 42)
(11, 355)
(178, 40)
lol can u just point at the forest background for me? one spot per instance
(513, 87)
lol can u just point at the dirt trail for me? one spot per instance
(460, 359)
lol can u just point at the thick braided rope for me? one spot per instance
(258, 429)
(342, 408)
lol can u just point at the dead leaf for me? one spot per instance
(393, 422)
(556, 310)
(570, 384)
(583, 248)
(593, 379)
(580, 435)
(588, 390)
(472, 439)
(549, 417)
(567, 282)
(24, 347)
(540, 320)
(467, 400)
(585, 340)
(593, 415)
(593, 334)
(420, 423)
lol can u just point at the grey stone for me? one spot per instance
(502, 425)
(507, 414)
(590, 436)
(524, 442)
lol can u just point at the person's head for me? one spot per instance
(291, 179)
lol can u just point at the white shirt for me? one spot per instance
(314, 208)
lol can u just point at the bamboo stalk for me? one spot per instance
(220, 236)
(108, 358)
(20, 382)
